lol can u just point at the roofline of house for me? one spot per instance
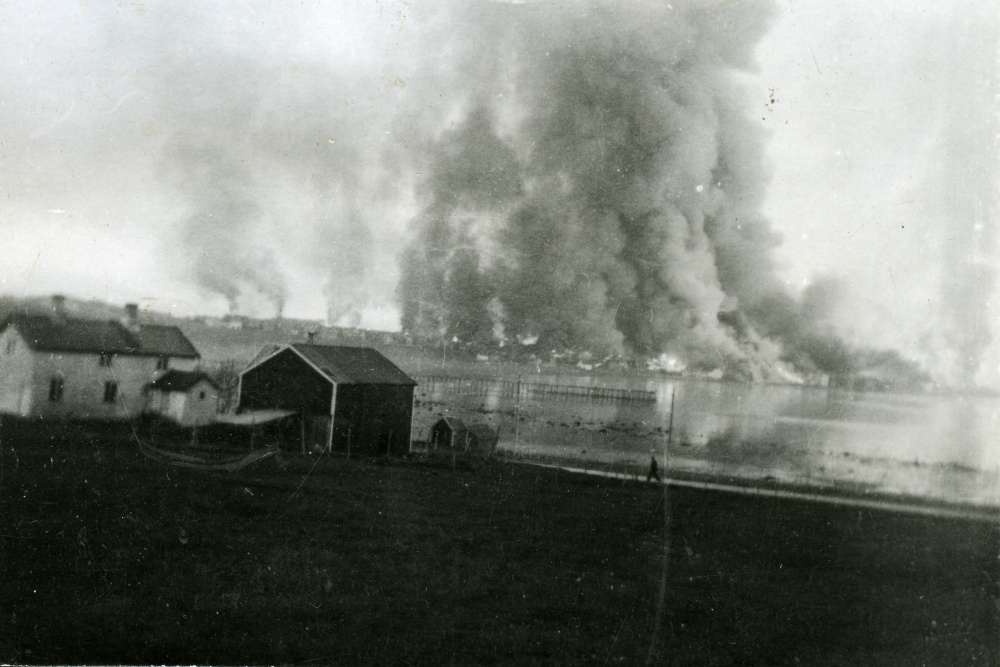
(117, 353)
(12, 323)
(204, 378)
(170, 390)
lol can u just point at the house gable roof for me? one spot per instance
(46, 334)
(180, 381)
(165, 341)
(343, 365)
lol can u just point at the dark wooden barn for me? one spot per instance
(350, 399)
(452, 432)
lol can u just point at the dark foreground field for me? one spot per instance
(106, 556)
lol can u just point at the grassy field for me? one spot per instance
(106, 556)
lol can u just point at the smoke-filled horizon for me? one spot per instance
(606, 195)
(733, 185)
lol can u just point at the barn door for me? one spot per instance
(318, 433)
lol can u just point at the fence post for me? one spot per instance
(517, 416)
(302, 433)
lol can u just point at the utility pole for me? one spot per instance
(665, 569)
(517, 416)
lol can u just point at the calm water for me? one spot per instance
(944, 447)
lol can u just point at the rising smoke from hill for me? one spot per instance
(224, 212)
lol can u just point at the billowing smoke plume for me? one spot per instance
(474, 181)
(580, 174)
(601, 191)
(349, 258)
(278, 164)
(222, 225)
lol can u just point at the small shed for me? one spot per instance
(452, 432)
(190, 398)
(350, 399)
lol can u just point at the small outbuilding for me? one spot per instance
(453, 433)
(349, 399)
(190, 398)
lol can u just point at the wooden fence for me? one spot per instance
(482, 387)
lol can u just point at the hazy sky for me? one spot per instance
(176, 154)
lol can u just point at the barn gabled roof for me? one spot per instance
(47, 334)
(264, 353)
(343, 365)
(353, 365)
(175, 380)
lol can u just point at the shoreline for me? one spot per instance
(882, 502)
(622, 442)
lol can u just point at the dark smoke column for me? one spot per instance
(603, 182)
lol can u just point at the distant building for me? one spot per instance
(56, 366)
(189, 398)
(453, 433)
(349, 398)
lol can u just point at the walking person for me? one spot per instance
(654, 470)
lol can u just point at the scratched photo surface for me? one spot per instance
(500, 332)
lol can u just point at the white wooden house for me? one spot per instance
(53, 366)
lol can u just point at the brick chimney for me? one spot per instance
(58, 309)
(131, 319)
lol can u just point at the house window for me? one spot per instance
(110, 391)
(56, 389)
(201, 396)
(104, 359)
(162, 363)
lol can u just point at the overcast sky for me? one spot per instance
(152, 151)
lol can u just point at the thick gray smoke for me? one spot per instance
(276, 164)
(582, 174)
(221, 226)
(601, 190)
